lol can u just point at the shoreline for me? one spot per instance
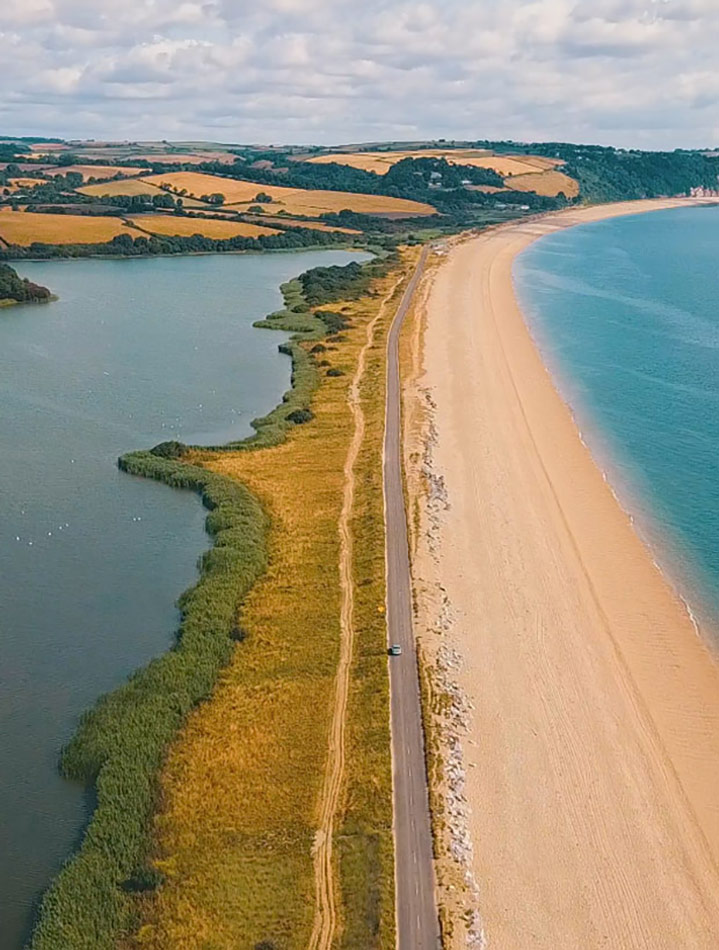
(587, 709)
(152, 705)
(666, 550)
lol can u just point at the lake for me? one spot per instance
(92, 560)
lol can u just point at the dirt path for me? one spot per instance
(325, 922)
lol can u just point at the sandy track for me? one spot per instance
(325, 921)
(593, 750)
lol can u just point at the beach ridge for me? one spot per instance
(588, 711)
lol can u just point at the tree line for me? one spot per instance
(20, 289)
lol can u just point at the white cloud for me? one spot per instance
(632, 72)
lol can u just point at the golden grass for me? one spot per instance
(17, 227)
(312, 225)
(292, 200)
(95, 171)
(177, 158)
(548, 183)
(381, 162)
(133, 186)
(240, 789)
(17, 184)
(185, 227)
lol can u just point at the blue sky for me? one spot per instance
(641, 73)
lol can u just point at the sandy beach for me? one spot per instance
(583, 734)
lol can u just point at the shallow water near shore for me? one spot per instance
(626, 314)
(93, 560)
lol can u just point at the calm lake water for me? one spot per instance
(92, 560)
(626, 312)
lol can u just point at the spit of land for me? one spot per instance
(580, 792)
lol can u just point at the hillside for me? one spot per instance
(88, 199)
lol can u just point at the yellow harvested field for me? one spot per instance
(17, 227)
(381, 162)
(131, 186)
(95, 171)
(548, 183)
(185, 227)
(172, 158)
(312, 225)
(292, 200)
(487, 189)
(14, 184)
(319, 226)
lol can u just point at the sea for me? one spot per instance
(625, 313)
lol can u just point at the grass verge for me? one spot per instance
(240, 788)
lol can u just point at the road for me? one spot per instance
(417, 920)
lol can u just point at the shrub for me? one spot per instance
(170, 450)
(335, 372)
(299, 416)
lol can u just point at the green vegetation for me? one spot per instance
(612, 174)
(322, 285)
(120, 744)
(430, 180)
(124, 245)
(20, 290)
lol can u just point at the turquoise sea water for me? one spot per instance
(626, 314)
(92, 560)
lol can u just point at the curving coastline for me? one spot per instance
(587, 710)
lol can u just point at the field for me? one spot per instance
(16, 184)
(242, 193)
(18, 227)
(381, 162)
(240, 789)
(185, 227)
(95, 171)
(312, 225)
(172, 158)
(132, 186)
(549, 182)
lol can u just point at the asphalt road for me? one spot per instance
(417, 920)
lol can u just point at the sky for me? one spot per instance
(631, 73)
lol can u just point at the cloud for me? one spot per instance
(628, 72)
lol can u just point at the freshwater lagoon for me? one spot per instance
(92, 560)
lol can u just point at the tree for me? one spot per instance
(163, 201)
(67, 158)
(262, 198)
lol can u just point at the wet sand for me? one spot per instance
(591, 758)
